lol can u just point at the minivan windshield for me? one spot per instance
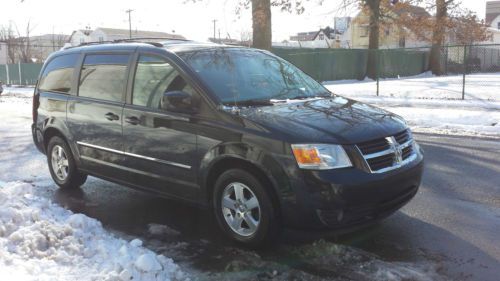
(249, 76)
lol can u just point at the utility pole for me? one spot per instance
(53, 40)
(129, 11)
(214, 21)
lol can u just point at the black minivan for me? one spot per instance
(237, 130)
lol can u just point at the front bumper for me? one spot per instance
(349, 198)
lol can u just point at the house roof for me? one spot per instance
(412, 10)
(492, 11)
(329, 31)
(139, 33)
(304, 36)
(311, 35)
(490, 17)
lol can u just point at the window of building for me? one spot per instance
(104, 77)
(364, 31)
(498, 25)
(101, 38)
(321, 36)
(153, 77)
(58, 74)
(402, 42)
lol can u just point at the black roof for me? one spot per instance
(175, 46)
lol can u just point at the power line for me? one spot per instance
(35, 45)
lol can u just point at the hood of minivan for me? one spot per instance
(331, 120)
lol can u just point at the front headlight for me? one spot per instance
(320, 156)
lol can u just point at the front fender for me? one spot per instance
(269, 164)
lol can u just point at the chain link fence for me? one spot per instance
(24, 74)
(469, 71)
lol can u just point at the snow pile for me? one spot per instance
(162, 230)
(450, 121)
(40, 240)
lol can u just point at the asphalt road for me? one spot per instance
(449, 231)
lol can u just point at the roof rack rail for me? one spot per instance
(130, 40)
(150, 38)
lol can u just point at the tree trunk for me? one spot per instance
(261, 22)
(373, 43)
(438, 38)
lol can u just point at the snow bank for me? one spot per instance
(40, 240)
(450, 121)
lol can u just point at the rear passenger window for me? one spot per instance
(153, 77)
(58, 74)
(104, 77)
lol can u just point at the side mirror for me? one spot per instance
(179, 101)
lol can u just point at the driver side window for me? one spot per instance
(153, 77)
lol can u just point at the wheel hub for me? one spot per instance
(241, 209)
(60, 163)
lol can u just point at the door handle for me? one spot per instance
(111, 116)
(132, 120)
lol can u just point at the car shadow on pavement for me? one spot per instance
(190, 236)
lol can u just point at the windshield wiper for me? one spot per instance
(263, 102)
(303, 97)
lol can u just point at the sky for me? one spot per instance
(193, 20)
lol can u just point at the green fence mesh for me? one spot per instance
(339, 64)
(20, 74)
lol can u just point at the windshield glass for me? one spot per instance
(242, 75)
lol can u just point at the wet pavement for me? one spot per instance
(449, 231)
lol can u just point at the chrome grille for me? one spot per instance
(388, 153)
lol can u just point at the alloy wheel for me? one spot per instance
(241, 209)
(60, 163)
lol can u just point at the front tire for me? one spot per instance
(244, 209)
(62, 165)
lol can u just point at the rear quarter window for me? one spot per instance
(104, 77)
(58, 74)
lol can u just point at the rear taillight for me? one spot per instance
(36, 103)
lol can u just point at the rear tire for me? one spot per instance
(62, 165)
(244, 209)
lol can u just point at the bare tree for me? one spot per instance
(261, 17)
(450, 21)
(8, 36)
(24, 44)
(376, 11)
(438, 32)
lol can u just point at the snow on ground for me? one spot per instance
(17, 91)
(425, 86)
(40, 240)
(43, 241)
(432, 104)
